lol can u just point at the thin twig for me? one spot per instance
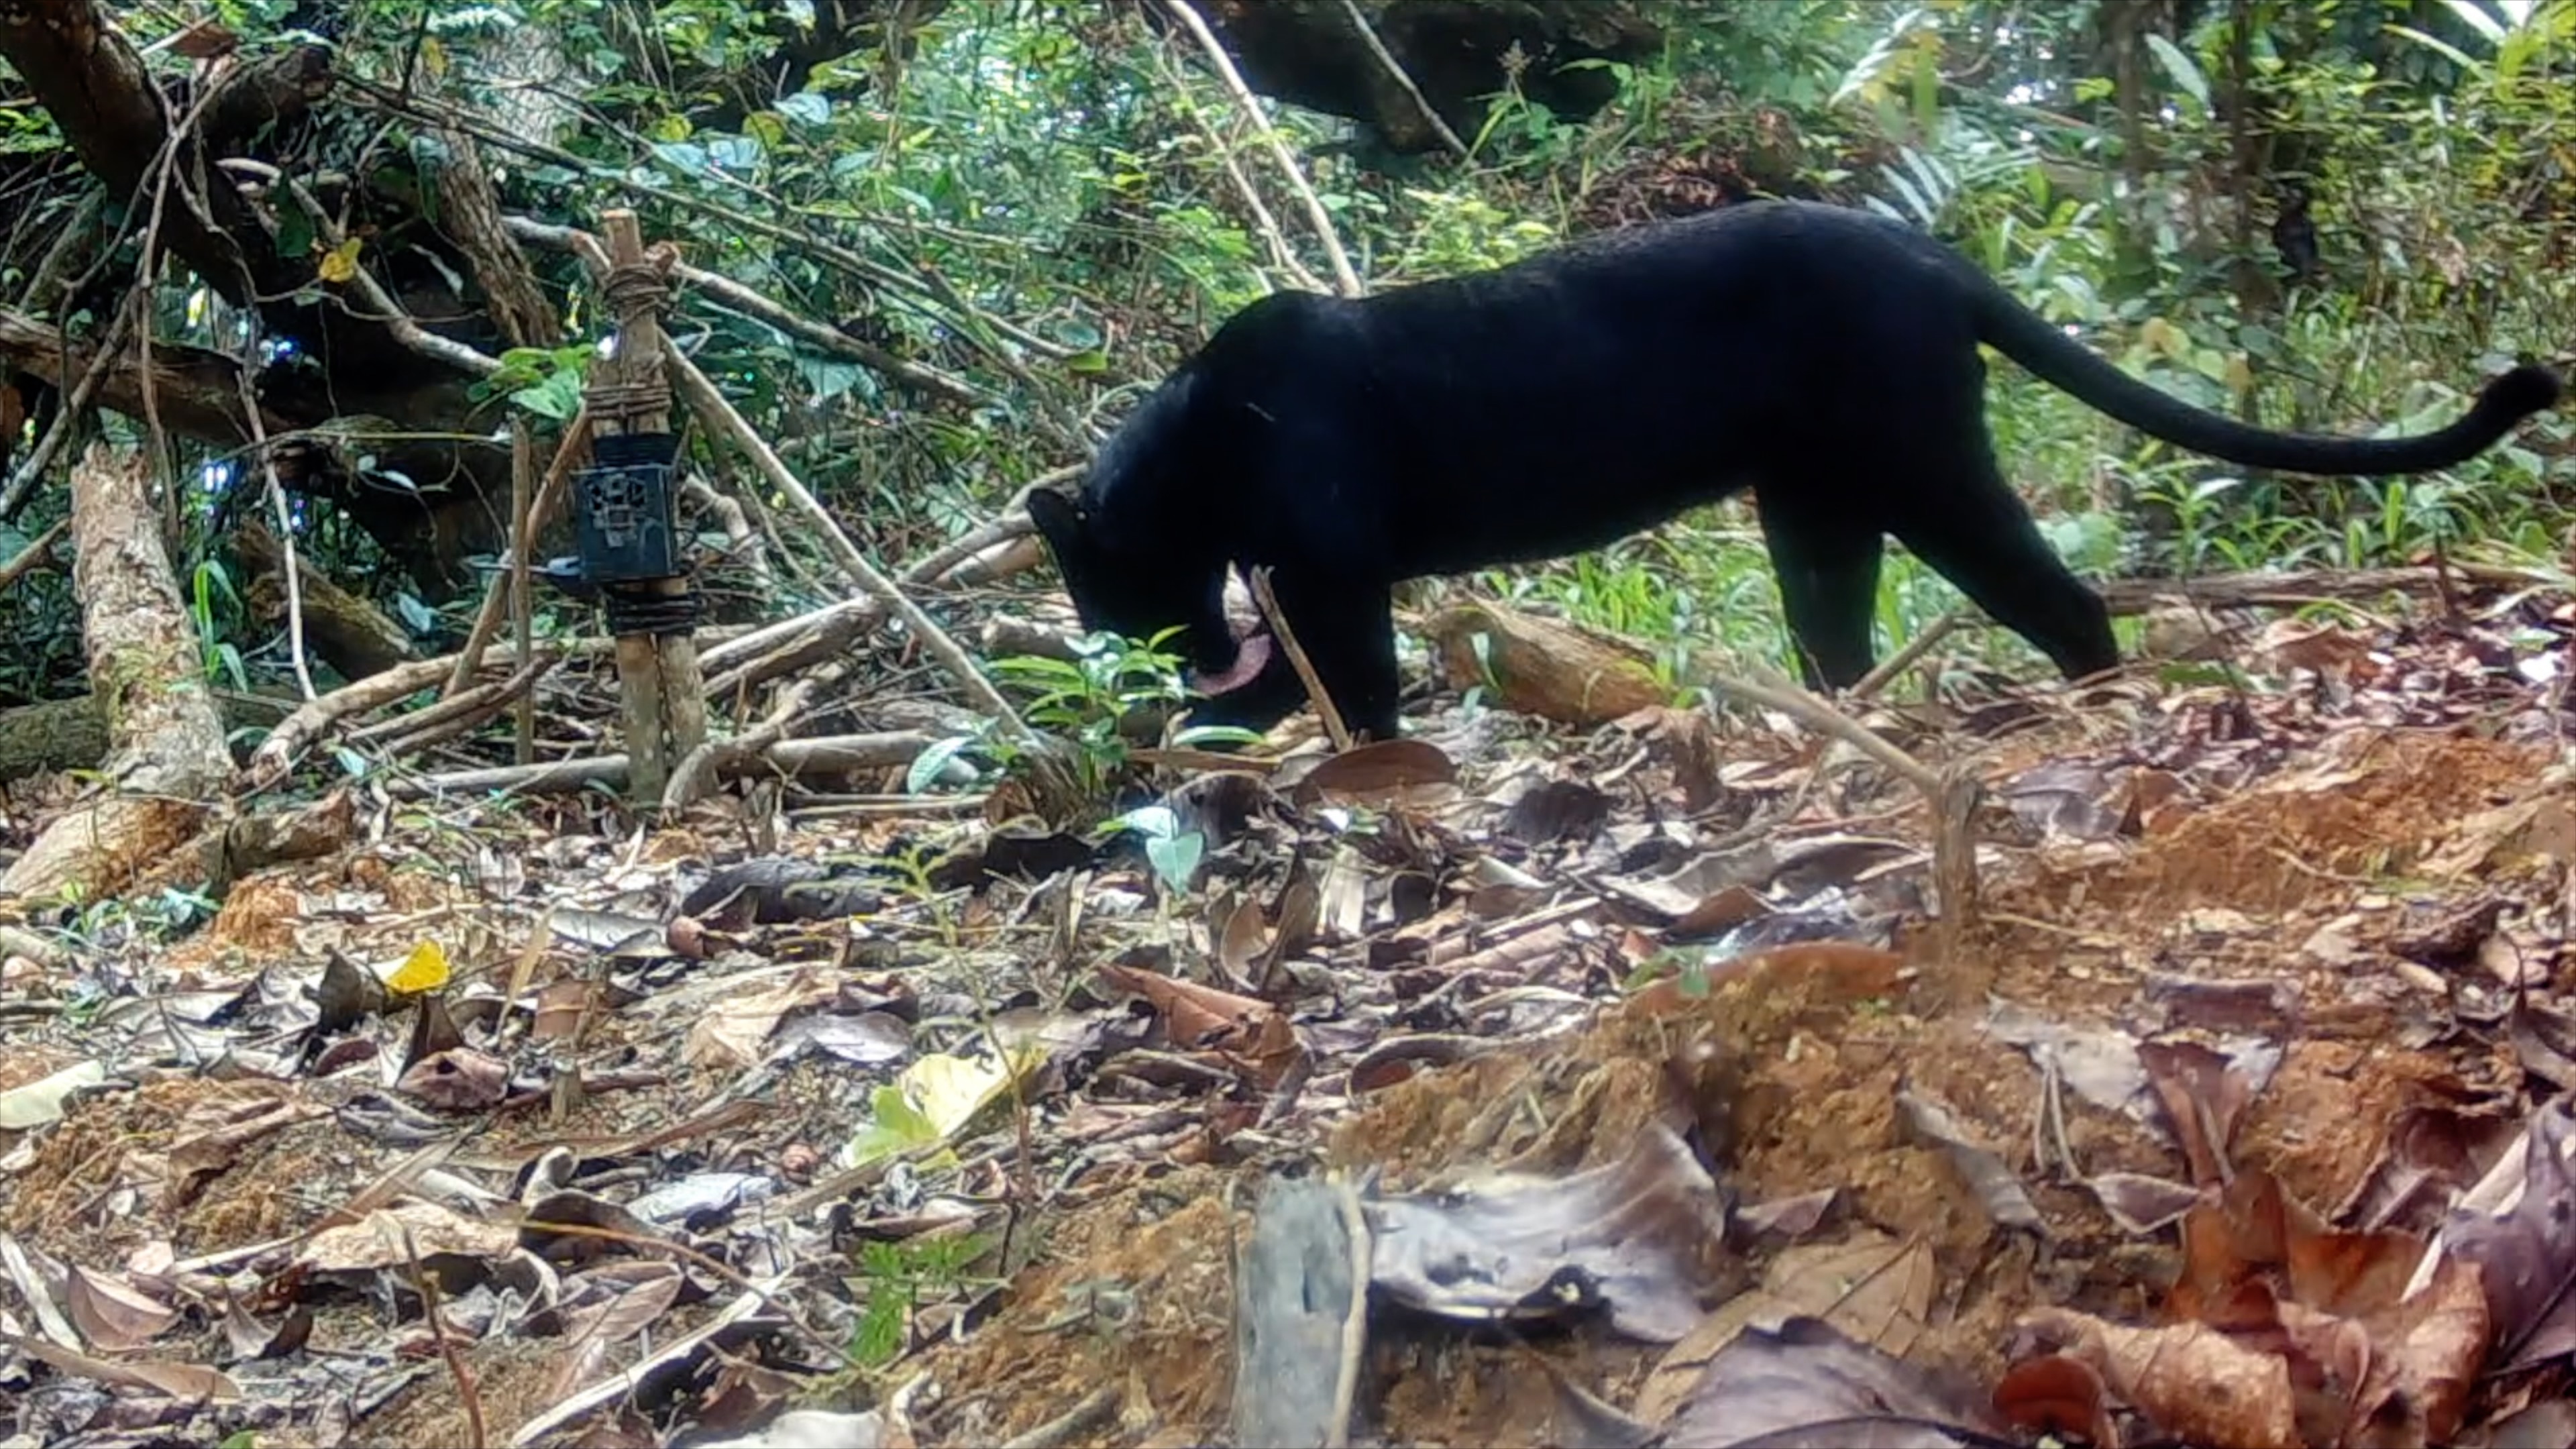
(33, 555)
(1395, 71)
(696, 771)
(523, 604)
(1771, 691)
(720, 418)
(1903, 659)
(487, 619)
(164, 166)
(1338, 732)
(1345, 280)
(289, 568)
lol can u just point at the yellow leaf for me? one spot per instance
(951, 1090)
(433, 57)
(425, 969)
(341, 262)
(2240, 376)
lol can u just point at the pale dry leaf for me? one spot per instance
(111, 1314)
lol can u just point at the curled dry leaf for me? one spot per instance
(2192, 1380)
(112, 1314)
(2203, 1100)
(187, 1381)
(2058, 1395)
(1643, 1236)
(462, 1080)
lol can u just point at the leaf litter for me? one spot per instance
(1627, 1045)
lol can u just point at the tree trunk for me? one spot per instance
(166, 759)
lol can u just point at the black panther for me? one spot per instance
(1824, 357)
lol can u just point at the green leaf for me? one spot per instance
(294, 232)
(930, 763)
(1176, 858)
(2475, 16)
(557, 397)
(2179, 66)
(2442, 48)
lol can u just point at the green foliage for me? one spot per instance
(893, 1280)
(1086, 702)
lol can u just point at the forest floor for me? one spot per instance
(2262, 976)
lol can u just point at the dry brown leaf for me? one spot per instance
(176, 1380)
(2193, 1381)
(1877, 1290)
(1381, 774)
(387, 1237)
(112, 1314)
(2060, 1396)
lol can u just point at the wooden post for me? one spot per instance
(660, 687)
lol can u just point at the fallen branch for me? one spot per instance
(1345, 280)
(720, 418)
(696, 773)
(1012, 522)
(167, 761)
(821, 755)
(2308, 586)
(1903, 659)
(1334, 729)
(456, 714)
(1770, 691)
(276, 754)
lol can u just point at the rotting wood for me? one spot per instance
(166, 758)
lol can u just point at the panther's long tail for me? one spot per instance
(2031, 340)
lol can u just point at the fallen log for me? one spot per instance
(166, 757)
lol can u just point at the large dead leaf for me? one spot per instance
(1642, 1237)
(2195, 1382)
(1875, 1290)
(1380, 775)
(1807, 1386)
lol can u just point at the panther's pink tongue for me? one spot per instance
(1249, 655)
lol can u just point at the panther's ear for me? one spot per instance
(1059, 522)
